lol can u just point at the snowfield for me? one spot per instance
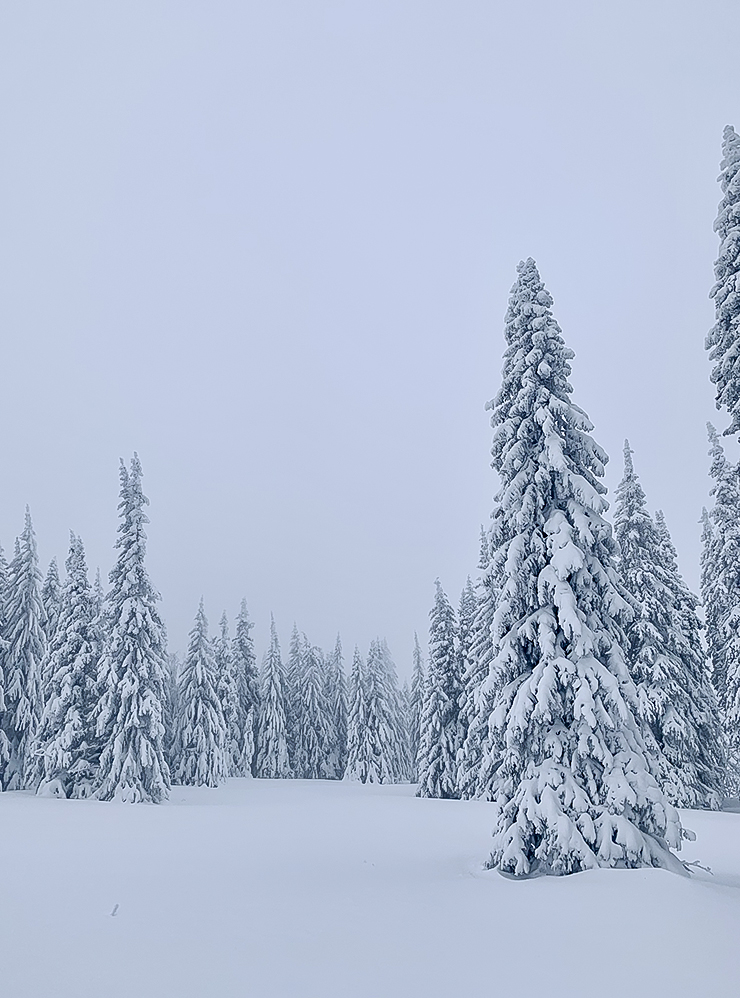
(312, 889)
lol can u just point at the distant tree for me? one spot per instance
(272, 761)
(571, 778)
(476, 702)
(293, 681)
(416, 703)
(723, 340)
(201, 732)
(171, 709)
(228, 696)
(24, 634)
(51, 600)
(65, 747)
(248, 691)
(360, 766)
(720, 592)
(336, 696)
(440, 721)
(316, 736)
(675, 700)
(133, 665)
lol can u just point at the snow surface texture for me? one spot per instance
(290, 888)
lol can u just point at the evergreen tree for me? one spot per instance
(51, 600)
(65, 747)
(336, 696)
(720, 592)
(293, 681)
(386, 725)
(132, 670)
(248, 691)
(272, 761)
(201, 732)
(723, 340)
(571, 778)
(476, 702)
(360, 766)
(664, 654)
(228, 697)
(24, 615)
(316, 735)
(440, 721)
(171, 710)
(416, 703)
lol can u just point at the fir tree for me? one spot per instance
(360, 766)
(664, 654)
(336, 696)
(65, 747)
(51, 600)
(571, 779)
(24, 615)
(387, 728)
(476, 701)
(293, 680)
(228, 696)
(248, 691)
(440, 721)
(723, 340)
(132, 671)
(201, 733)
(316, 736)
(272, 761)
(720, 592)
(171, 710)
(416, 703)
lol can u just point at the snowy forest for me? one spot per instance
(579, 686)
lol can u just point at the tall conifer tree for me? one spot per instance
(416, 703)
(360, 751)
(226, 690)
(571, 778)
(132, 671)
(248, 690)
(723, 340)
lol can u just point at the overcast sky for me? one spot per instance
(269, 246)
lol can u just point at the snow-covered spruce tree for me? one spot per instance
(316, 736)
(664, 654)
(360, 766)
(475, 710)
(248, 690)
(171, 709)
(440, 719)
(228, 696)
(293, 682)
(65, 748)
(131, 677)
(201, 731)
(336, 696)
(720, 592)
(466, 613)
(416, 702)
(386, 725)
(51, 600)
(723, 340)
(571, 778)
(24, 634)
(272, 760)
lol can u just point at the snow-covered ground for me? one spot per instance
(315, 890)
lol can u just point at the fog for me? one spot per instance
(269, 246)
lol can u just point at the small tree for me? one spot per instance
(201, 734)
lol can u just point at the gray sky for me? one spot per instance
(269, 245)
